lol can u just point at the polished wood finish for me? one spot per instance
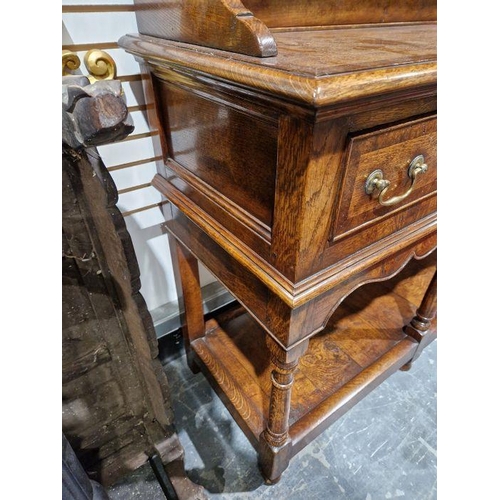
(275, 442)
(362, 344)
(292, 318)
(245, 27)
(264, 162)
(193, 323)
(420, 326)
(292, 13)
(391, 150)
(116, 409)
(225, 142)
(222, 24)
(347, 73)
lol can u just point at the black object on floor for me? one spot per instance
(162, 478)
(383, 448)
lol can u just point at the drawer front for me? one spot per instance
(391, 152)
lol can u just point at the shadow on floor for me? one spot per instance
(383, 448)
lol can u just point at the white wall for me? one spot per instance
(99, 24)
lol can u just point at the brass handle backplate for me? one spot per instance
(376, 181)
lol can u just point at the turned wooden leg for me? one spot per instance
(190, 301)
(421, 322)
(274, 453)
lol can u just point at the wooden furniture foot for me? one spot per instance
(269, 482)
(419, 326)
(275, 452)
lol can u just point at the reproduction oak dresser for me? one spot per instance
(298, 146)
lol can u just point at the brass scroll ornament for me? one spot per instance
(376, 181)
(99, 64)
(70, 62)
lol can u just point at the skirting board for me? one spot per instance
(166, 318)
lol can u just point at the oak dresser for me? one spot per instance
(298, 153)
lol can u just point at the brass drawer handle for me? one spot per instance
(376, 181)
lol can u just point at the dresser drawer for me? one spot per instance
(405, 156)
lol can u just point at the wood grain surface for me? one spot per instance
(275, 205)
(292, 13)
(222, 147)
(391, 150)
(352, 63)
(308, 175)
(367, 326)
(225, 24)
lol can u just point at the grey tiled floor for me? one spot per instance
(383, 448)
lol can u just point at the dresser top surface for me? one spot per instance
(326, 52)
(318, 66)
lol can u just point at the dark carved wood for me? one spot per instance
(116, 398)
(93, 114)
(264, 161)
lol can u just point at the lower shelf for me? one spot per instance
(361, 346)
